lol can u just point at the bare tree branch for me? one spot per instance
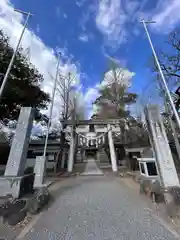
(170, 61)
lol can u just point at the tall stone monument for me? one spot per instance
(167, 172)
(10, 183)
(159, 142)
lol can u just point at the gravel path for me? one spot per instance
(92, 168)
(98, 208)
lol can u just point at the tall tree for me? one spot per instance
(64, 90)
(114, 95)
(24, 82)
(112, 103)
(70, 108)
(71, 100)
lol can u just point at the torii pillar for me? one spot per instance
(71, 151)
(112, 149)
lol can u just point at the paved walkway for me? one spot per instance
(95, 208)
(92, 168)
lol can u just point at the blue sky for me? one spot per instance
(87, 33)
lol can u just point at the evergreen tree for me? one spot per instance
(23, 87)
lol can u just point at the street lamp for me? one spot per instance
(161, 72)
(28, 14)
(51, 107)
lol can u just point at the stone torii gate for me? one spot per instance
(92, 132)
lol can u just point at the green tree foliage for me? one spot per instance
(137, 134)
(24, 82)
(114, 98)
(113, 102)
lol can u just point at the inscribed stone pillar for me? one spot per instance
(18, 153)
(112, 149)
(159, 141)
(71, 152)
(39, 170)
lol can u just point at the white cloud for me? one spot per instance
(84, 38)
(80, 3)
(119, 62)
(41, 55)
(131, 7)
(111, 20)
(91, 94)
(166, 15)
(123, 76)
(118, 20)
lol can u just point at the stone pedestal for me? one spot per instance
(16, 186)
(18, 153)
(172, 201)
(112, 150)
(10, 185)
(39, 170)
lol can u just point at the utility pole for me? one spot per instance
(28, 14)
(161, 73)
(51, 107)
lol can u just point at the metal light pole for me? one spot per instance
(28, 14)
(51, 108)
(161, 73)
